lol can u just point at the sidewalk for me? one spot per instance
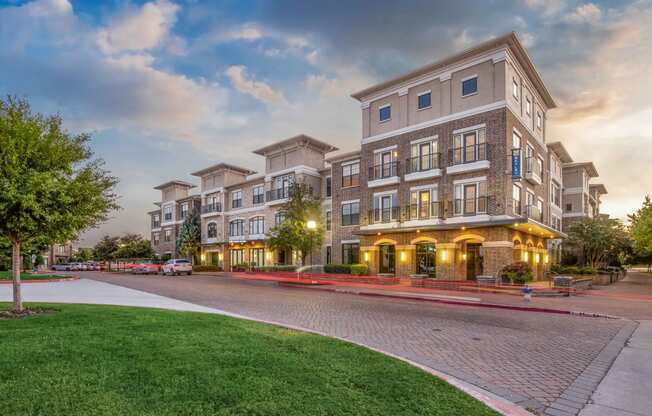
(626, 389)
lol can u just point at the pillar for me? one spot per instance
(497, 254)
(447, 254)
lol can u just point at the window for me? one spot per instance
(424, 100)
(329, 255)
(167, 213)
(351, 213)
(384, 165)
(167, 236)
(386, 207)
(528, 106)
(516, 196)
(257, 225)
(469, 147)
(257, 257)
(385, 112)
(156, 221)
(236, 228)
(351, 253)
(184, 210)
(211, 230)
(569, 207)
(351, 174)
(236, 257)
(555, 194)
(540, 167)
(282, 185)
(236, 199)
(423, 204)
(515, 89)
(424, 156)
(329, 219)
(469, 86)
(259, 195)
(539, 120)
(329, 187)
(279, 217)
(470, 198)
(156, 238)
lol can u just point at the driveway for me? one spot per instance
(532, 359)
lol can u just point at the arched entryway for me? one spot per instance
(387, 259)
(472, 253)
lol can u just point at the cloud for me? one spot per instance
(139, 29)
(586, 13)
(257, 89)
(547, 7)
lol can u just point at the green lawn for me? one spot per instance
(100, 360)
(29, 276)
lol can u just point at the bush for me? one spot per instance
(206, 268)
(519, 273)
(359, 269)
(278, 268)
(577, 270)
(338, 268)
(588, 270)
(242, 267)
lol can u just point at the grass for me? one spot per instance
(28, 276)
(106, 360)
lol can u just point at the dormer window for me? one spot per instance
(424, 100)
(469, 86)
(385, 112)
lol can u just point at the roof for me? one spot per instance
(602, 190)
(510, 39)
(560, 151)
(175, 182)
(589, 166)
(222, 166)
(296, 140)
(343, 156)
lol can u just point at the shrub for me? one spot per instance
(206, 268)
(359, 269)
(242, 267)
(587, 270)
(277, 268)
(338, 268)
(519, 273)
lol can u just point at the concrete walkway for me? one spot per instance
(627, 388)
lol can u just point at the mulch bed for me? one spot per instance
(27, 312)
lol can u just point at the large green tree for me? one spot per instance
(51, 187)
(105, 248)
(293, 232)
(640, 225)
(599, 241)
(189, 239)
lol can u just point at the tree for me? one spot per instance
(640, 226)
(293, 232)
(189, 239)
(599, 240)
(133, 246)
(105, 249)
(50, 187)
(83, 255)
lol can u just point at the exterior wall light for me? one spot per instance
(203, 257)
(546, 259)
(537, 258)
(444, 255)
(464, 257)
(525, 256)
(219, 256)
(366, 256)
(311, 224)
(402, 256)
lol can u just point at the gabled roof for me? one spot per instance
(561, 152)
(183, 184)
(295, 141)
(222, 166)
(588, 166)
(602, 190)
(509, 39)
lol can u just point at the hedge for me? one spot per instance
(279, 268)
(206, 268)
(359, 269)
(577, 270)
(338, 268)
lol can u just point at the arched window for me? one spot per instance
(236, 228)
(212, 230)
(517, 250)
(257, 225)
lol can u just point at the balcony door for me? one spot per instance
(470, 196)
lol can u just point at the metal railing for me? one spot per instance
(384, 170)
(531, 167)
(423, 163)
(533, 212)
(470, 206)
(469, 154)
(384, 215)
(424, 211)
(517, 207)
(217, 207)
(276, 194)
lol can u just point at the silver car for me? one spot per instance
(176, 267)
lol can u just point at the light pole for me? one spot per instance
(311, 225)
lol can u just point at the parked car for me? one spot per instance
(61, 267)
(146, 268)
(176, 267)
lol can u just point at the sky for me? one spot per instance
(168, 87)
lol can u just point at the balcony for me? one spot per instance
(424, 211)
(277, 195)
(423, 167)
(465, 207)
(517, 207)
(533, 172)
(211, 208)
(167, 217)
(384, 215)
(468, 158)
(156, 224)
(533, 212)
(383, 174)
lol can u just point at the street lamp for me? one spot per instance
(311, 225)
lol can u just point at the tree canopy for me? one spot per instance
(641, 229)
(51, 187)
(189, 239)
(128, 246)
(600, 240)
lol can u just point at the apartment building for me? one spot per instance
(453, 178)
(581, 199)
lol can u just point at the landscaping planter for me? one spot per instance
(416, 280)
(486, 281)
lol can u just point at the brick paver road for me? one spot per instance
(528, 358)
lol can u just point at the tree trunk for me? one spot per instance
(15, 271)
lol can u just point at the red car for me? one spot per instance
(146, 268)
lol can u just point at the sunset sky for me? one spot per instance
(169, 87)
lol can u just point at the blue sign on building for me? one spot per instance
(516, 163)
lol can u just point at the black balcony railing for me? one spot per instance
(207, 209)
(156, 224)
(384, 215)
(423, 163)
(424, 211)
(384, 170)
(167, 216)
(533, 212)
(470, 206)
(469, 154)
(276, 194)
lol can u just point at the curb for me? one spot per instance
(63, 279)
(454, 302)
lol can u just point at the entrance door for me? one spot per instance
(387, 259)
(426, 258)
(473, 261)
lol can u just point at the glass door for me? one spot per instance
(424, 204)
(469, 199)
(426, 259)
(473, 261)
(387, 259)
